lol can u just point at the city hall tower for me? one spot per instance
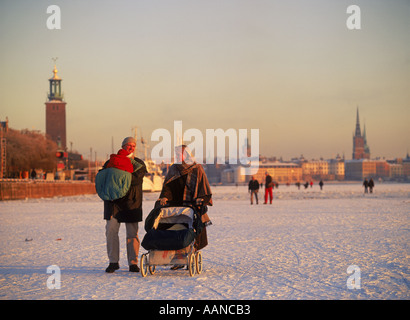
(55, 112)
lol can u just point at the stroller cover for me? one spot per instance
(169, 228)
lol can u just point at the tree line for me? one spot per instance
(27, 150)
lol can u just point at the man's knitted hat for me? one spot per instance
(128, 140)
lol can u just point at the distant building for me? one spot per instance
(55, 113)
(281, 172)
(214, 172)
(231, 175)
(406, 166)
(364, 168)
(359, 169)
(395, 170)
(315, 169)
(336, 169)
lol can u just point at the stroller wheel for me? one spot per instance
(151, 269)
(191, 264)
(198, 262)
(144, 265)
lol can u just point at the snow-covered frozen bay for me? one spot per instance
(300, 247)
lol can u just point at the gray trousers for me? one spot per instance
(254, 193)
(112, 229)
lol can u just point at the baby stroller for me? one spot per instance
(170, 238)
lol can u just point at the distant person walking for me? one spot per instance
(371, 185)
(321, 185)
(253, 188)
(366, 185)
(268, 188)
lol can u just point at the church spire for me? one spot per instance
(358, 131)
(366, 147)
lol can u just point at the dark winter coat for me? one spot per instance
(253, 185)
(268, 182)
(184, 184)
(129, 207)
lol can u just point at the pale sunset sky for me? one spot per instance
(291, 69)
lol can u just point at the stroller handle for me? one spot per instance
(199, 202)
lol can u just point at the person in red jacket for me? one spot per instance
(268, 188)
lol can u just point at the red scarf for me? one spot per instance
(121, 161)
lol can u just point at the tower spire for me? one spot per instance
(55, 85)
(358, 131)
(366, 147)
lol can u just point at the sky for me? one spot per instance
(292, 69)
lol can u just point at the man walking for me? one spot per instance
(371, 185)
(365, 185)
(128, 210)
(253, 188)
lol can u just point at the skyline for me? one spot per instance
(292, 70)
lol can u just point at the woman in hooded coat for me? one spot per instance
(185, 184)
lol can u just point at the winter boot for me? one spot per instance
(112, 267)
(134, 268)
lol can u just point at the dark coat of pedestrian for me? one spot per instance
(366, 185)
(371, 185)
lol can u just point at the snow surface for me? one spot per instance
(297, 248)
